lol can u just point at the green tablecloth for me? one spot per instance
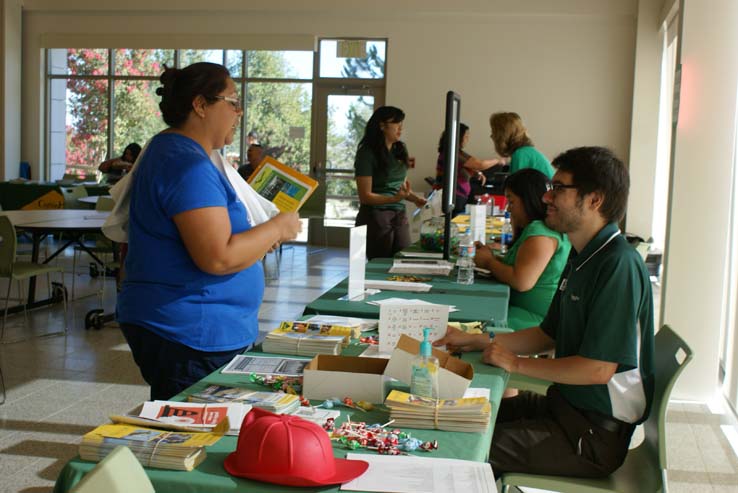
(484, 301)
(210, 477)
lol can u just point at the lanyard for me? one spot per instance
(562, 286)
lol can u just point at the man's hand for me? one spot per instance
(497, 355)
(456, 340)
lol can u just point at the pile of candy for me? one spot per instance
(348, 402)
(288, 385)
(369, 339)
(355, 435)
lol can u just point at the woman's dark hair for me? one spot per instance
(374, 138)
(134, 149)
(181, 86)
(529, 185)
(463, 129)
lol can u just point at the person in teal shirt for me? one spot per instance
(381, 181)
(533, 265)
(512, 140)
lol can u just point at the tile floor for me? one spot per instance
(60, 387)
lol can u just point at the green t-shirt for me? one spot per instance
(527, 308)
(529, 157)
(386, 182)
(603, 310)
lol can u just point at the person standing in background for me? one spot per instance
(381, 180)
(469, 167)
(512, 140)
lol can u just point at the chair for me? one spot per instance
(644, 469)
(18, 271)
(71, 194)
(102, 245)
(119, 472)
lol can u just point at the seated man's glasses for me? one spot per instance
(556, 187)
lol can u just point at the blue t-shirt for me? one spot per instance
(164, 291)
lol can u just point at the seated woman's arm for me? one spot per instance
(206, 233)
(532, 258)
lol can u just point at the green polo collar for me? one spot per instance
(604, 236)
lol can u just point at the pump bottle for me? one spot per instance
(424, 375)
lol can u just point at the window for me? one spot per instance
(101, 100)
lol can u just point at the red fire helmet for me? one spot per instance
(288, 450)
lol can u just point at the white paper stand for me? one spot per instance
(357, 262)
(478, 222)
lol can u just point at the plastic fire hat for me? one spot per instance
(288, 450)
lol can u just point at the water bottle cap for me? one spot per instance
(507, 214)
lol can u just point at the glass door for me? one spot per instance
(341, 113)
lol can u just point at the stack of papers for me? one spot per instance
(365, 324)
(275, 402)
(301, 343)
(188, 416)
(413, 411)
(416, 287)
(244, 364)
(181, 451)
(421, 266)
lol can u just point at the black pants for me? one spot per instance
(546, 435)
(387, 231)
(169, 367)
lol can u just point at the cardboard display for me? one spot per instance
(362, 379)
(454, 376)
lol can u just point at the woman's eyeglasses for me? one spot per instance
(235, 102)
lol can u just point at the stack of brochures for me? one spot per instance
(188, 416)
(470, 414)
(301, 343)
(348, 331)
(178, 450)
(364, 324)
(421, 266)
(277, 403)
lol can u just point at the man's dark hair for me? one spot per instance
(597, 169)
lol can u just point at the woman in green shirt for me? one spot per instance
(381, 181)
(512, 140)
(533, 265)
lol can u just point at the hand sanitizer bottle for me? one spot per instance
(424, 376)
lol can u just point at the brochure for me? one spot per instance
(264, 365)
(287, 188)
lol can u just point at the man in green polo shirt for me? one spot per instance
(600, 324)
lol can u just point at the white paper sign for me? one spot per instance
(357, 262)
(410, 319)
(478, 222)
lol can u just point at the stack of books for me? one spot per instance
(301, 343)
(178, 450)
(277, 403)
(222, 417)
(471, 414)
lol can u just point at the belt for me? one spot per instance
(605, 422)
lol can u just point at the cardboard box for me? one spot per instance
(362, 379)
(454, 376)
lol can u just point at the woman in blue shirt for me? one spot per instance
(194, 283)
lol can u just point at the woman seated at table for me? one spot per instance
(537, 257)
(194, 281)
(113, 169)
(469, 167)
(512, 141)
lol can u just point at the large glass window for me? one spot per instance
(368, 66)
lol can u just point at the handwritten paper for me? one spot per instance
(410, 319)
(411, 474)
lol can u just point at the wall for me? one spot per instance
(10, 88)
(567, 68)
(697, 237)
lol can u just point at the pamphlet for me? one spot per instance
(264, 365)
(286, 187)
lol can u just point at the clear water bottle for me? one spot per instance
(465, 262)
(506, 234)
